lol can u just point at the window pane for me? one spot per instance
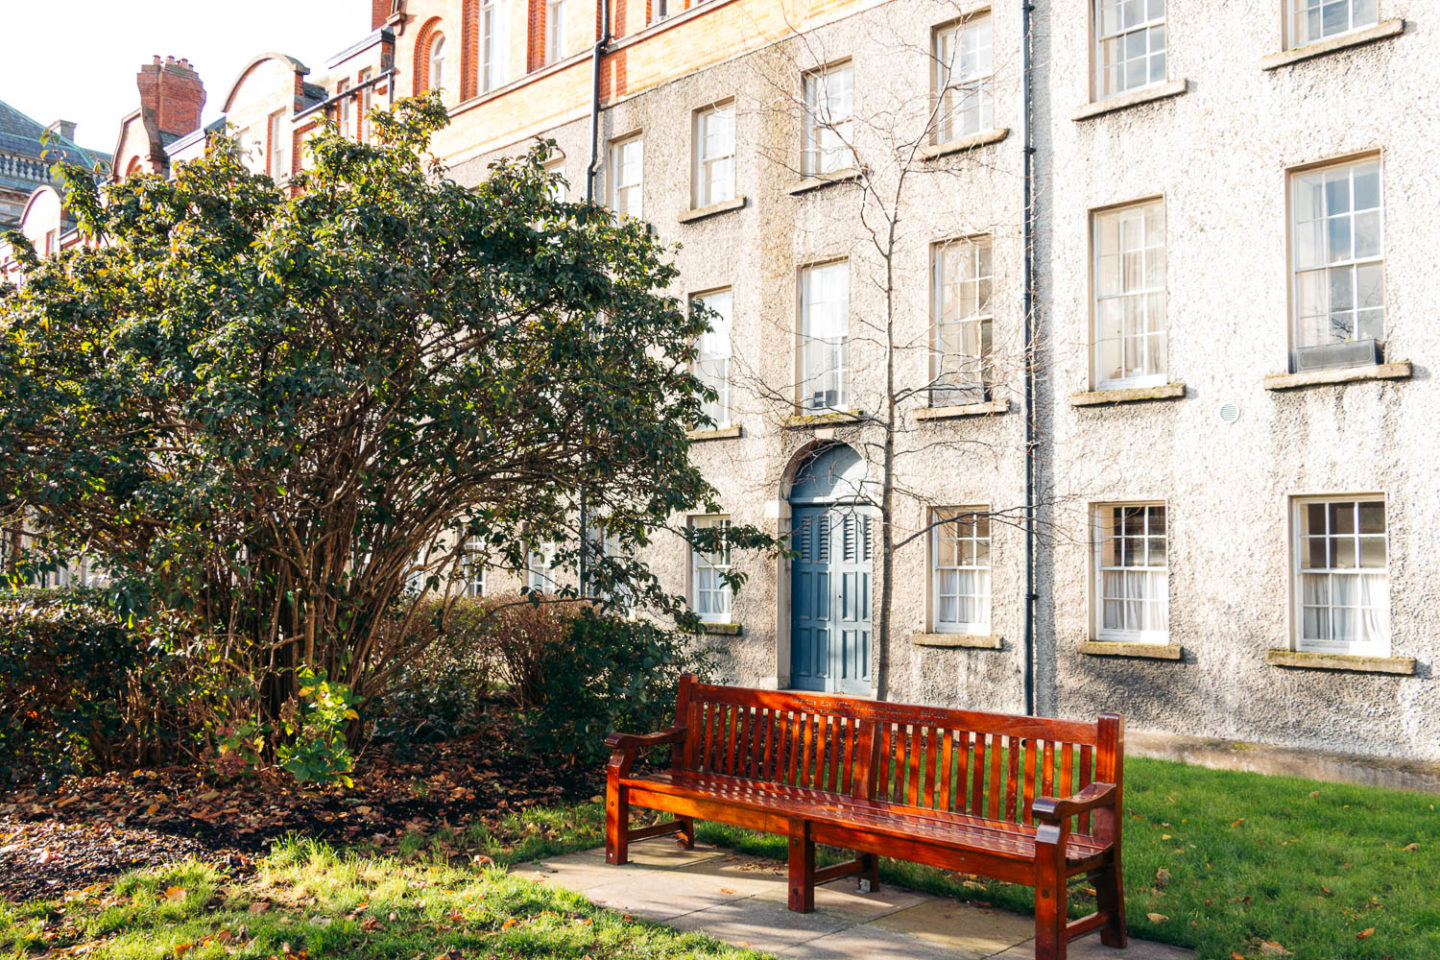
(823, 329)
(1309, 196)
(1132, 556)
(1337, 221)
(1342, 518)
(1343, 610)
(1130, 279)
(1337, 191)
(1337, 239)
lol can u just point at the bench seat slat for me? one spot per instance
(957, 830)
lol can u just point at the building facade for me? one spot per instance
(28, 151)
(1162, 260)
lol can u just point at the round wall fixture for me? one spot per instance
(1229, 413)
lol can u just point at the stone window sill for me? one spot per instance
(701, 213)
(1381, 31)
(1124, 101)
(968, 641)
(1399, 370)
(806, 420)
(1399, 666)
(1138, 651)
(722, 629)
(848, 175)
(720, 433)
(976, 140)
(1105, 398)
(988, 409)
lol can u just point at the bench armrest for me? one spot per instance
(641, 741)
(624, 746)
(1056, 809)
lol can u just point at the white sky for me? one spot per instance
(77, 59)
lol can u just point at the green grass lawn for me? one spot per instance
(1220, 861)
(306, 902)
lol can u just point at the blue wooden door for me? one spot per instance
(830, 632)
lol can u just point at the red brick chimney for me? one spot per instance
(172, 95)
(380, 12)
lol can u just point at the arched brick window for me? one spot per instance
(428, 43)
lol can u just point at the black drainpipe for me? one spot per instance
(591, 173)
(1031, 300)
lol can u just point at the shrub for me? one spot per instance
(64, 671)
(609, 674)
(524, 637)
(441, 692)
(317, 751)
(83, 689)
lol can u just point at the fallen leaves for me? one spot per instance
(1269, 948)
(1157, 917)
(1365, 934)
(94, 828)
(175, 895)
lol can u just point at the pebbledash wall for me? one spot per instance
(1218, 430)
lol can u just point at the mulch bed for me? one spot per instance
(96, 827)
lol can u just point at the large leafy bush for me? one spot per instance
(278, 409)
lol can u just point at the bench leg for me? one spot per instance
(1110, 899)
(802, 867)
(1050, 918)
(869, 873)
(685, 836)
(617, 824)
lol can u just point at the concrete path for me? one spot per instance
(741, 900)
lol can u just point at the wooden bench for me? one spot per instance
(1026, 800)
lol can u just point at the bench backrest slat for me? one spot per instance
(984, 765)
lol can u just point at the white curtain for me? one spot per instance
(1136, 601)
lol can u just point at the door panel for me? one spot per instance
(830, 599)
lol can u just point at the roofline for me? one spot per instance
(295, 65)
(192, 138)
(25, 212)
(379, 35)
(120, 137)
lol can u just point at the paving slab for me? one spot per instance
(742, 900)
(764, 925)
(859, 943)
(1090, 948)
(844, 896)
(662, 895)
(961, 930)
